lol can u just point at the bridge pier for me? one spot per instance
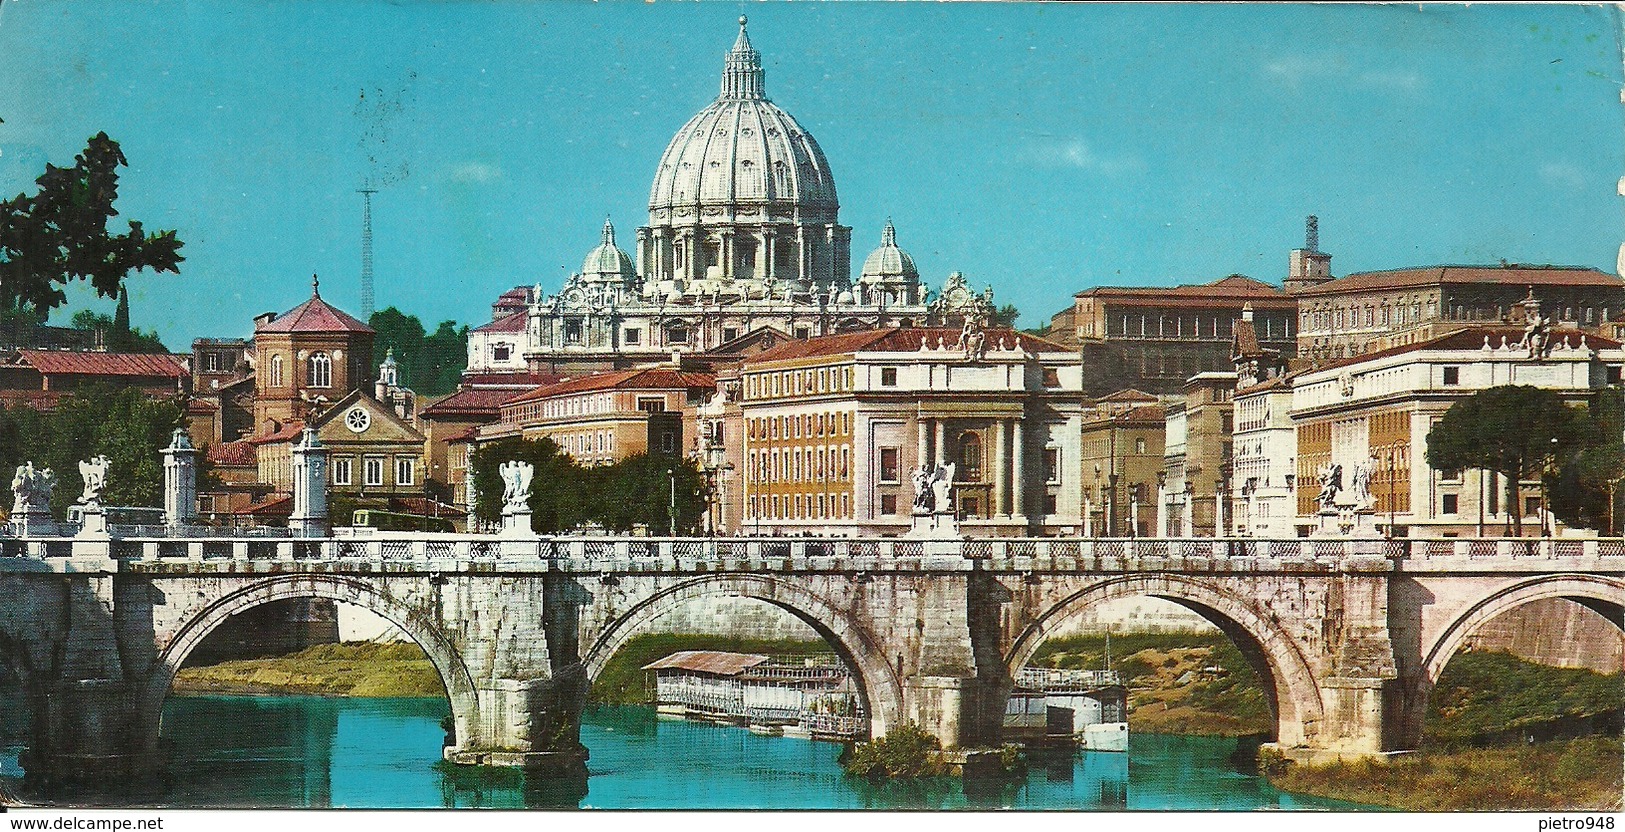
(530, 724)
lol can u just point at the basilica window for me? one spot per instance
(501, 352)
(677, 334)
(405, 470)
(970, 458)
(320, 370)
(373, 470)
(634, 335)
(276, 371)
(341, 470)
(728, 333)
(572, 332)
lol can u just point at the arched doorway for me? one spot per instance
(1287, 681)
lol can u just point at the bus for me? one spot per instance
(395, 521)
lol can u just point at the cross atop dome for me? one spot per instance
(742, 75)
(608, 237)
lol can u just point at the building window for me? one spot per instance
(1052, 377)
(1050, 505)
(1452, 376)
(276, 371)
(501, 352)
(211, 362)
(1052, 466)
(652, 404)
(803, 333)
(1139, 444)
(888, 376)
(633, 336)
(888, 504)
(341, 470)
(320, 370)
(970, 458)
(668, 442)
(890, 469)
(1447, 504)
(373, 470)
(729, 333)
(677, 334)
(1614, 374)
(405, 470)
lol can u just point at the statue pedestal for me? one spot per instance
(1345, 521)
(93, 524)
(34, 523)
(940, 526)
(516, 523)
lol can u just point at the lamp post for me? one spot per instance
(1111, 505)
(1393, 483)
(671, 510)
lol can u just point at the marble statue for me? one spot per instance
(1537, 334)
(1331, 484)
(942, 488)
(922, 490)
(516, 478)
(94, 474)
(31, 489)
(1360, 483)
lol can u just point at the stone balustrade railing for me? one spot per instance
(608, 554)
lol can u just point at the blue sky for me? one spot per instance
(1040, 148)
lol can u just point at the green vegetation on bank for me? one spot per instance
(1482, 699)
(907, 752)
(1179, 683)
(623, 680)
(1580, 774)
(348, 669)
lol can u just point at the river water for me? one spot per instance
(307, 751)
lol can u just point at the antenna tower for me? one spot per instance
(366, 252)
(1311, 233)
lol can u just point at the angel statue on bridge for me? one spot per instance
(516, 478)
(922, 489)
(94, 474)
(31, 489)
(1331, 484)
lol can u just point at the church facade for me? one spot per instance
(744, 235)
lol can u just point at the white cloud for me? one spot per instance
(1295, 70)
(476, 172)
(1076, 153)
(1562, 174)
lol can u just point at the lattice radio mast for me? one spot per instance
(366, 252)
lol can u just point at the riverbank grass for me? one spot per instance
(348, 669)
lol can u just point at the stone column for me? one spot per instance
(1218, 510)
(309, 486)
(770, 247)
(180, 479)
(1001, 460)
(1088, 517)
(1162, 510)
(1019, 471)
(922, 432)
(942, 440)
(1187, 515)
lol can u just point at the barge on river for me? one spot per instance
(803, 696)
(1086, 708)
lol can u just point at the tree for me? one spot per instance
(556, 490)
(1584, 487)
(637, 491)
(1516, 431)
(135, 340)
(1005, 317)
(60, 234)
(431, 364)
(126, 426)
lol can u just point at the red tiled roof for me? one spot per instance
(423, 506)
(1129, 395)
(1244, 341)
(57, 362)
(519, 293)
(233, 453)
(286, 434)
(652, 378)
(715, 662)
(464, 436)
(1148, 413)
(1233, 288)
(200, 406)
(276, 505)
(473, 401)
(514, 322)
(894, 340)
(314, 315)
(1516, 275)
(1472, 338)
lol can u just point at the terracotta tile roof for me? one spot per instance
(514, 322)
(233, 453)
(464, 436)
(1129, 395)
(287, 434)
(652, 378)
(276, 505)
(1149, 413)
(1472, 338)
(519, 293)
(715, 662)
(894, 340)
(1223, 292)
(57, 362)
(474, 401)
(1244, 341)
(314, 315)
(424, 506)
(1516, 275)
(201, 406)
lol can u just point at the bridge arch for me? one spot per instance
(1290, 683)
(447, 661)
(1603, 594)
(878, 683)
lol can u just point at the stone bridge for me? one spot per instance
(1349, 636)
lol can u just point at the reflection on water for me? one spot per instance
(299, 751)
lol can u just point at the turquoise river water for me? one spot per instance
(306, 751)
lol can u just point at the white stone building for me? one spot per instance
(744, 234)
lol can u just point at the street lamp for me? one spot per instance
(1393, 482)
(671, 511)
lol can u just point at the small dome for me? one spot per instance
(607, 263)
(844, 298)
(889, 264)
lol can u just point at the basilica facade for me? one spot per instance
(744, 244)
